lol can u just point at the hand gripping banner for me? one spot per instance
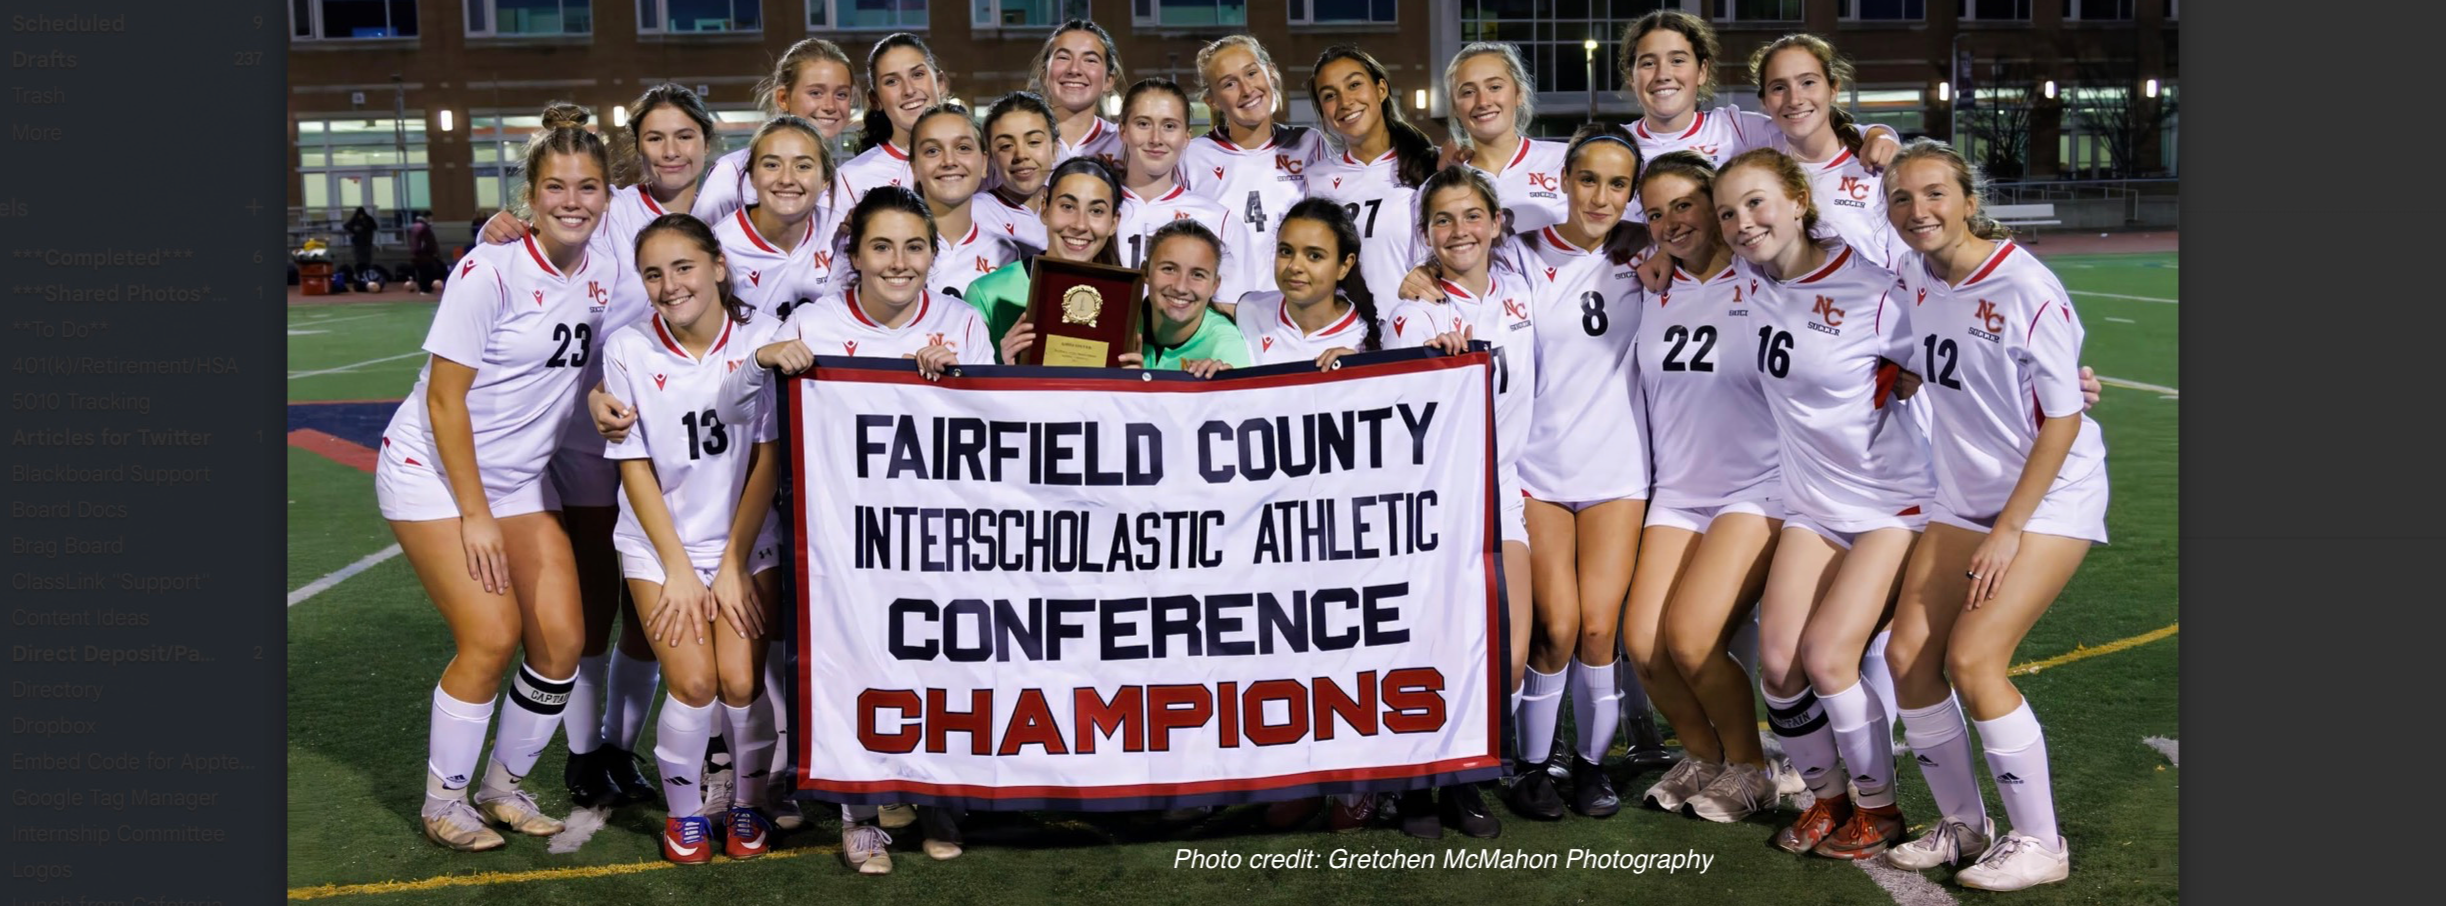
(1089, 589)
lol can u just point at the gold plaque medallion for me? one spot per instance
(1081, 305)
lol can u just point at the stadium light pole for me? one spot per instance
(1590, 46)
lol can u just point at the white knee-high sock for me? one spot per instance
(1540, 705)
(679, 753)
(453, 745)
(751, 751)
(1800, 725)
(583, 719)
(1866, 740)
(632, 695)
(1940, 742)
(1876, 676)
(527, 725)
(1595, 695)
(2017, 754)
(776, 702)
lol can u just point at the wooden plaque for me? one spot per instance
(1086, 315)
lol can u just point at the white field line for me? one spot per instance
(2123, 320)
(342, 574)
(2083, 292)
(318, 322)
(2136, 385)
(354, 365)
(1908, 888)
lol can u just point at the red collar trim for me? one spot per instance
(2003, 249)
(670, 342)
(648, 198)
(1456, 291)
(896, 153)
(1348, 318)
(1830, 267)
(1642, 126)
(749, 226)
(1560, 244)
(925, 300)
(1838, 161)
(545, 263)
(1518, 155)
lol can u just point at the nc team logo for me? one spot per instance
(984, 266)
(734, 366)
(595, 291)
(1284, 162)
(935, 339)
(1709, 150)
(1825, 312)
(1518, 311)
(823, 260)
(1989, 316)
(1544, 181)
(1855, 187)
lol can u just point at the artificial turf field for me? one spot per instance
(364, 652)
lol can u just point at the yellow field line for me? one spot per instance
(482, 878)
(2085, 653)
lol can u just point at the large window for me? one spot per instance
(1016, 13)
(1189, 13)
(869, 15)
(1549, 34)
(1759, 10)
(376, 163)
(351, 20)
(1997, 10)
(1343, 12)
(1885, 10)
(698, 16)
(2098, 10)
(513, 18)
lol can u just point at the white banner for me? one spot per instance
(1059, 588)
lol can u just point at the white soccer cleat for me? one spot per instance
(718, 783)
(896, 815)
(518, 811)
(1788, 779)
(863, 847)
(455, 824)
(1684, 780)
(1951, 843)
(1740, 791)
(2018, 861)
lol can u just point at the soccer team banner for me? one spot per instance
(1097, 590)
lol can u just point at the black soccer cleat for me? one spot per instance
(1465, 809)
(1418, 815)
(589, 784)
(1532, 794)
(620, 765)
(1592, 790)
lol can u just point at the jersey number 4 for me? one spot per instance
(1680, 337)
(706, 433)
(581, 334)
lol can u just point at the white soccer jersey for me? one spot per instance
(959, 262)
(1265, 323)
(1718, 134)
(1997, 353)
(1018, 226)
(1587, 434)
(1848, 462)
(1710, 435)
(700, 459)
(768, 279)
(881, 165)
(1504, 320)
(529, 331)
(1851, 205)
(1385, 211)
(835, 325)
(725, 188)
(1257, 185)
(1103, 142)
(1530, 185)
(1141, 217)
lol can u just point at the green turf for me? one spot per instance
(348, 335)
(363, 656)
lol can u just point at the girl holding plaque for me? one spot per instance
(1082, 209)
